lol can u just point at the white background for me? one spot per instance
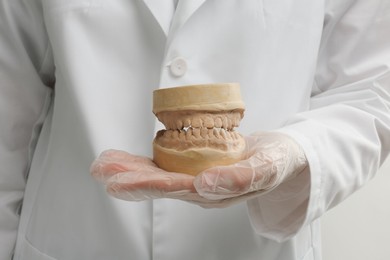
(359, 227)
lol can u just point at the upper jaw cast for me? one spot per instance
(200, 129)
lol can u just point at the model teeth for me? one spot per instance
(196, 132)
(196, 123)
(218, 122)
(201, 137)
(216, 133)
(209, 122)
(186, 122)
(179, 124)
(188, 129)
(182, 119)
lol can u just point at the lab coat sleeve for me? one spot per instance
(25, 73)
(346, 132)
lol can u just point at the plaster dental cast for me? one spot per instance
(199, 122)
(82, 140)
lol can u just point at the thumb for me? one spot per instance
(223, 182)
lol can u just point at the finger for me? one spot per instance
(118, 155)
(113, 161)
(223, 182)
(240, 178)
(149, 185)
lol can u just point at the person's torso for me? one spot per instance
(109, 57)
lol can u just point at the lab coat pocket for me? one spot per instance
(29, 252)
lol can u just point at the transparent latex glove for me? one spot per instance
(271, 159)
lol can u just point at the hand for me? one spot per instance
(271, 159)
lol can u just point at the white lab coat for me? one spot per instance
(76, 78)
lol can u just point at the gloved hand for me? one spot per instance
(271, 159)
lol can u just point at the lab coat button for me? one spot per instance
(178, 67)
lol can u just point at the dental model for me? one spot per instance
(199, 122)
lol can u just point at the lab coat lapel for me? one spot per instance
(184, 10)
(162, 11)
(170, 20)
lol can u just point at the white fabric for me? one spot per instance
(163, 11)
(316, 70)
